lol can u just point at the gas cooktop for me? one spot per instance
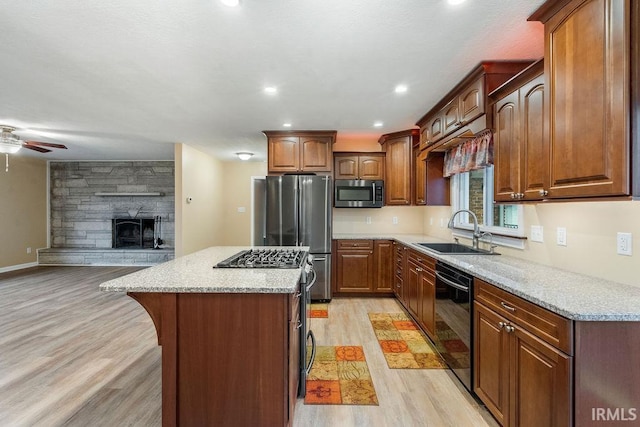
(265, 258)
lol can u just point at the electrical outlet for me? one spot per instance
(624, 244)
(537, 233)
(28, 250)
(394, 219)
(368, 220)
(561, 236)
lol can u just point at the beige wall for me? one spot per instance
(23, 210)
(199, 224)
(237, 195)
(591, 237)
(410, 220)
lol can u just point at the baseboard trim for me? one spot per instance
(18, 267)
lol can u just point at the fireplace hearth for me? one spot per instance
(134, 233)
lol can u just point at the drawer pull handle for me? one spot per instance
(298, 295)
(299, 325)
(508, 307)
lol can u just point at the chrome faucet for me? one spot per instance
(476, 229)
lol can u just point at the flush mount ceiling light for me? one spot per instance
(244, 155)
(271, 90)
(286, 125)
(401, 89)
(456, 1)
(378, 124)
(230, 3)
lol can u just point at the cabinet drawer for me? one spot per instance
(355, 244)
(422, 260)
(546, 325)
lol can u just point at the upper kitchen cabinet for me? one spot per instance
(398, 147)
(462, 112)
(300, 151)
(430, 187)
(591, 54)
(521, 148)
(359, 166)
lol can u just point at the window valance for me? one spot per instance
(474, 154)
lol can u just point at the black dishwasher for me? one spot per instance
(454, 321)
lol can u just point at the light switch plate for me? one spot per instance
(394, 220)
(624, 244)
(561, 236)
(368, 220)
(537, 233)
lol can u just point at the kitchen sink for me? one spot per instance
(455, 249)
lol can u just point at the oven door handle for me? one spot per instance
(451, 282)
(313, 281)
(313, 351)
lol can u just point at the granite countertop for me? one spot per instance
(572, 295)
(195, 273)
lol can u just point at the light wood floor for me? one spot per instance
(71, 355)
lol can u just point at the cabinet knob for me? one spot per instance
(544, 193)
(509, 328)
(418, 269)
(513, 195)
(501, 325)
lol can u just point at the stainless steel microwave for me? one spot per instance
(358, 193)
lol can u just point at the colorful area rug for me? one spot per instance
(340, 376)
(320, 311)
(402, 343)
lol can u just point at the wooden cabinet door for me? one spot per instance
(412, 282)
(436, 129)
(534, 142)
(437, 187)
(451, 116)
(316, 154)
(354, 271)
(398, 269)
(371, 167)
(491, 346)
(472, 101)
(284, 154)
(587, 69)
(420, 178)
(383, 261)
(346, 167)
(398, 170)
(540, 381)
(506, 149)
(427, 301)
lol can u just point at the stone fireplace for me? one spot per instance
(133, 233)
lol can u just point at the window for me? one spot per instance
(474, 191)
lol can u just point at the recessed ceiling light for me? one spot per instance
(456, 1)
(378, 124)
(401, 89)
(271, 90)
(286, 125)
(230, 3)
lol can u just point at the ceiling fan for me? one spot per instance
(10, 143)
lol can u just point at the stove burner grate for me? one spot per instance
(265, 258)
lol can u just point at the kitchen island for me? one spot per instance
(229, 337)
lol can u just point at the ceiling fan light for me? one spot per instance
(244, 155)
(9, 143)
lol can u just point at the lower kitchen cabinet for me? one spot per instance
(399, 260)
(354, 266)
(364, 266)
(522, 379)
(383, 252)
(419, 294)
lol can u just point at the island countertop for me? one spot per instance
(194, 273)
(572, 295)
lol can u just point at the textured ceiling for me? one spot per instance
(124, 79)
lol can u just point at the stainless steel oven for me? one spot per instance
(454, 321)
(307, 339)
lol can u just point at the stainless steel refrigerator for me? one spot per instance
(298, 213)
